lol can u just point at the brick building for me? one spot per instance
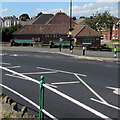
(58, 27)
(115, 32)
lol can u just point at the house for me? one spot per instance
(115, 31)
(8, 21)
(57, 28)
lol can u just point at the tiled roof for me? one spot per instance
(60, 18)
(42, 19)
(43, 29)
(79, 30)
(86, 31)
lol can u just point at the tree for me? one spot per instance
(74, 18)
(7, 33)
(101, 21)
(24, 17)
(39, 14)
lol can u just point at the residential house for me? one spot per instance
(57, 27)
(8, 21)
(115, 32)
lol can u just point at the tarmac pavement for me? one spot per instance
(77, 53)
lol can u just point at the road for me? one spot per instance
(93, 83)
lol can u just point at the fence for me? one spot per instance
(43, 85)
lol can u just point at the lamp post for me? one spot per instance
(70, 29)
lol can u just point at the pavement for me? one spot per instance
(77, 53)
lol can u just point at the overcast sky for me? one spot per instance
(80, 8)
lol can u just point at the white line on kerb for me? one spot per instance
(91, 89)
(62, 71)
(62, 83)
(28, 100)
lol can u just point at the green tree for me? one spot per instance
(7, 33)
(101, 21)
(24, 17)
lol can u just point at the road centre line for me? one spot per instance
(62, 71)
(107, 104)
(95, 93)
(32, 73)
(28, 100)
(61, 83)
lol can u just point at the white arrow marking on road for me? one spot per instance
(115, 90)
(102, 100)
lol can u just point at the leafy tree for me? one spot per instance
(101, 21)
(39, 14)
(24, 17)
(74, 18)
(7, 33)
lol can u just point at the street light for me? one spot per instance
(70, 29)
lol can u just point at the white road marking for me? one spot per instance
(12, 75)
(62, 83)
(115, 90)
(14, 55)
(62, 71)
(13, 67)
(28, 100)
(107, 104)
(2, 54)
(95, 112)
(32, 73)
(4, 63)
(93, 91)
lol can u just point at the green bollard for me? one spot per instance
(41, 99)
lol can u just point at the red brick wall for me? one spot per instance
(119, 32)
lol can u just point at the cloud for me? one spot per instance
(3, 10)
(40, 9)
(91, 8)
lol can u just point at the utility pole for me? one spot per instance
(70, 29)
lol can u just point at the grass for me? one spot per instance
(8, 115)
(118, 41)
(118, 49)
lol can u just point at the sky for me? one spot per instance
(79, 7)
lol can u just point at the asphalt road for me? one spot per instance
(95, 85)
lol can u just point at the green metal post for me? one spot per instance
(41, 99)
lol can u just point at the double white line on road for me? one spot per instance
(57, 92)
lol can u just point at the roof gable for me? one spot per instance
(87, 31)
(60, 18)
